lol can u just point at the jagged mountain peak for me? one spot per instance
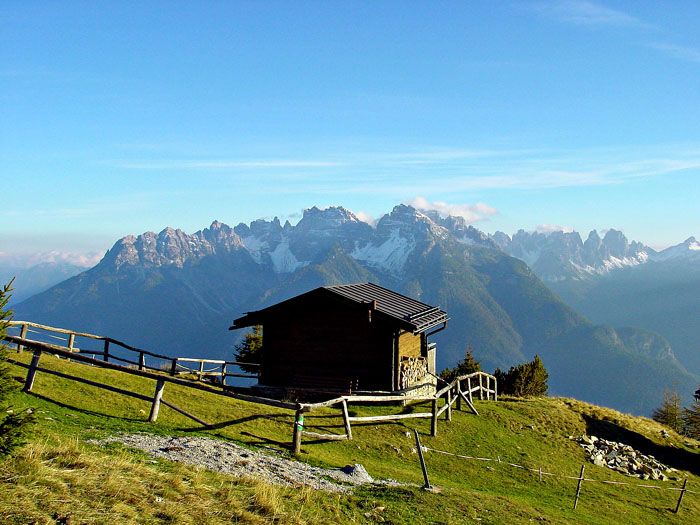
(330, 218)
(593, 237)
(411, 221)
(171, 246)
(558, 255)
(399, 235)
(688, 249)
(616, 244)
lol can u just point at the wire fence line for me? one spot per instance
(562, 476)
(580, 478)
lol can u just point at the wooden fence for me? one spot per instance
(142, 359)
(460, 390)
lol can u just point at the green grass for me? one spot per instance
(59, 476)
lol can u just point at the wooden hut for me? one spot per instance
(348, 338)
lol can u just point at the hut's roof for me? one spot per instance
(408, 313)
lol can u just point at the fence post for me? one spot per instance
(680, 498)
(469, 386)
(495, 389)
(142, 361)
(201, 369)
(106, 352)
(578, 487)
(422, 461)
(155, 407)
(434, 420)
(346, 419)
(71, 341)
(298, 428)
(448, 412)
(459, 395)
(29, 382)
(481, 388)
(223, 374)
(23, 335)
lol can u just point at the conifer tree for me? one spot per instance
(250, 350)
(691, 420)
(527, 379)
(670, 412)
(468, 365)
(14, 426)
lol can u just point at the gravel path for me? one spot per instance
(233, 459)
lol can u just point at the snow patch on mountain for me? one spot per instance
(690, 248)
(391, 255)
(529, 257)
(283, 260)
(613, 263)
(256, 247)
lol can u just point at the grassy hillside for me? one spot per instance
(62, 477)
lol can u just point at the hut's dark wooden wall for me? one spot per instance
(322, 336)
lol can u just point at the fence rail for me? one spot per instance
(460, 389)
(172, 364)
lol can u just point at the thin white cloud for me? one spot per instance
(580, 12)
(381, 173)
(29, 256)
(366, 217)
(470, 212)
(685, 53)
(219, 164)
(550, 228)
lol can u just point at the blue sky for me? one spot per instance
(122, 118)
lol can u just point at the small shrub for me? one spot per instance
(14, 426)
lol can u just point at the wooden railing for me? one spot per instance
(173, 365)
(461, 389)
(161, 379)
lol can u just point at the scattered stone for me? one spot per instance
(622, 458)
(357, 473)
(233, 459)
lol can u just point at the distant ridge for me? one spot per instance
(176, 293)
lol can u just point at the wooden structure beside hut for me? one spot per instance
(347, 338)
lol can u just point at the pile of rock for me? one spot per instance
(623, 458)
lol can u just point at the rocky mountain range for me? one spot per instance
(613, 281)
(559, 255)
(177, 293)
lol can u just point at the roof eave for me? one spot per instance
(430, 326)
